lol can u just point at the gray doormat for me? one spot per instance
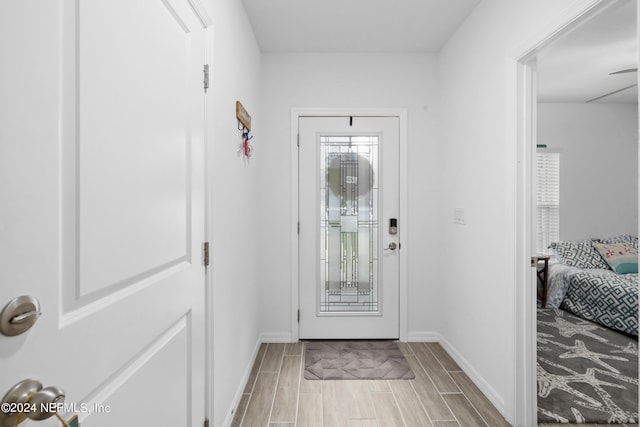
(355, 360)
(586, 373)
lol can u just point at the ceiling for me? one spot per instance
(355, 25)
(576, 68)
(573, 69)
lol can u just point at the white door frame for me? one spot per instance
(296, 113)
(521, 127)
(209, 197)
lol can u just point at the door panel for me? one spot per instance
(349, 191)
(144, 139)
(102, 216)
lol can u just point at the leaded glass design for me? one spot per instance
(349, 224)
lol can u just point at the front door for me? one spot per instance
(102, 207)
(349, 231)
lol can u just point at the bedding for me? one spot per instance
(621, 257)
(599, 295)
(578, 254)
(583, 280)
(608, 299)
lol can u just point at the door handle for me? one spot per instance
(392, 247)
(27, 399)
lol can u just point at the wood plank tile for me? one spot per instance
(410, 406)
(441, 379)
(379, 385)
(405, 349)
(273, 358)
(443, 357)
(279, 391)
(294, 349)
(310, 410)
(240, 410)
(259, 407)
(431, 399)
(334, 407)
(358, 400)
(466, 415)
(309, 386)
(286, 400)
(479, 400)
(344, 401)
(386, 410)
(365, 423)
(256, 367)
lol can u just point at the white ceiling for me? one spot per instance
(576, 68)
(355, 25)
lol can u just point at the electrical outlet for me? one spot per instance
(458, 216)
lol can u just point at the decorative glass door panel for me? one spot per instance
(348, 224)
(348, 196)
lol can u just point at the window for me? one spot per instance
(547, 199)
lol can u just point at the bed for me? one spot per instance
(597, 280)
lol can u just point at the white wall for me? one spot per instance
(236, 324)
(460, 277)
(358, 81)
(478, 173)
(598, 166)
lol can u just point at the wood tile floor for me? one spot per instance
(441, 395)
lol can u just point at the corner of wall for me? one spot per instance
(490, 393)
(423, 336)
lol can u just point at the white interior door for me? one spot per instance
(102, 205)
(349, 252)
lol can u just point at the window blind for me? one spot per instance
(547, 199)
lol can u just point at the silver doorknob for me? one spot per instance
(27, 399)
(392, 247)
(46, 402)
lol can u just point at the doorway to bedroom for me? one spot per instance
(585, 206)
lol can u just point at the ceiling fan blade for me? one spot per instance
(628, 70)
(611, 93)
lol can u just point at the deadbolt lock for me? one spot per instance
(19, 315)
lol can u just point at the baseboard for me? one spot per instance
(264, 338)
(276, 337)
(478, 380)
(423, 337)
(231, 412)
(486, 389)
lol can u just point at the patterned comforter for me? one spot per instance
(598, 295)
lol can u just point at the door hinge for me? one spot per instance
(298, 140)
(205, 254)
(206, 422)
(298, 315)
(206, 77)
(298, 228)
